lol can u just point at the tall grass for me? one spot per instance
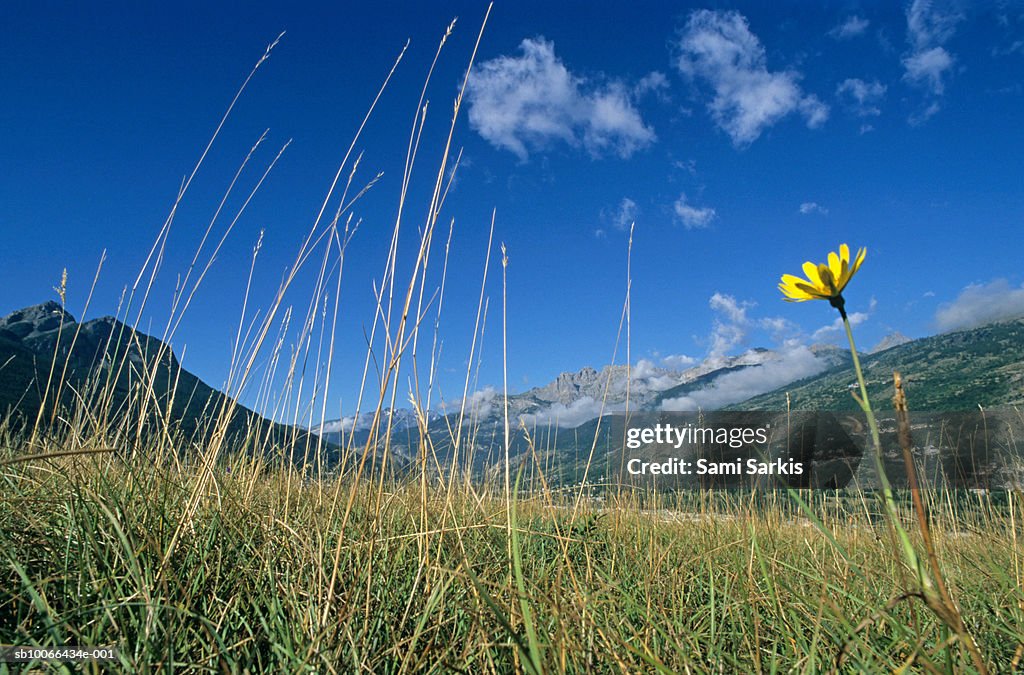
(728, 585)
(241, 548)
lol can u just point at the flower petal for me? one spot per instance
(792, 280)
(828, 282)
(835, 267)
(789, 287)
(811, 272)
(861, 254)
(845, 273)
(813, 292)
(792, 294)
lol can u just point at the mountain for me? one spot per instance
(557, 422)
(102, 362)
(570, 421)
(946, 377)
(962, 370)
(891, 340)
(107, 368)
(572, 398)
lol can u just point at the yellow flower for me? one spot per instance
(824, 281)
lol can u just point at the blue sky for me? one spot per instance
(741, 139)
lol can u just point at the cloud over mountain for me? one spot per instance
(978, 304)
(795, 362)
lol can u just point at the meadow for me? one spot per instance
(273, 573)
(233, 548)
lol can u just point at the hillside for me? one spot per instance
(953, 371)
(111, 367)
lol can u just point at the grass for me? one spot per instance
(730, 584)
(233, 549)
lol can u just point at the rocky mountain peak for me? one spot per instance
(894, 339)
(35, 321)
(568, 386)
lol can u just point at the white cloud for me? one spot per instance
(654, 82)
(808, 208)
(978, 304)
(690, 216)
(730, 327)
(920, 118)
(851, 27)
(401, 418)
(733, 323)
(836, 327)
(679, 361)
(927, 67)
(795, 362)
(730, 308)
(814, 111)
(568, 416)
(646, 376)
(779, 327)
(1015, 46)
(724, 338)
(344, 424)
(930, 24)
(861, 97)
(734, 320)
(625, 214)
(689, 166)
(530, 101)
(718, 48)
(643, 369)
(480, 403)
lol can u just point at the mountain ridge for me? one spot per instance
(950, 371)
(957, 370)
(571, 394)
(945, 372)
(109, 365)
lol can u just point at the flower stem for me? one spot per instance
(909, 553)
(940, 603)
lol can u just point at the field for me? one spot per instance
(270, 573)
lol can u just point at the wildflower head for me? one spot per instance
(825, 281)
